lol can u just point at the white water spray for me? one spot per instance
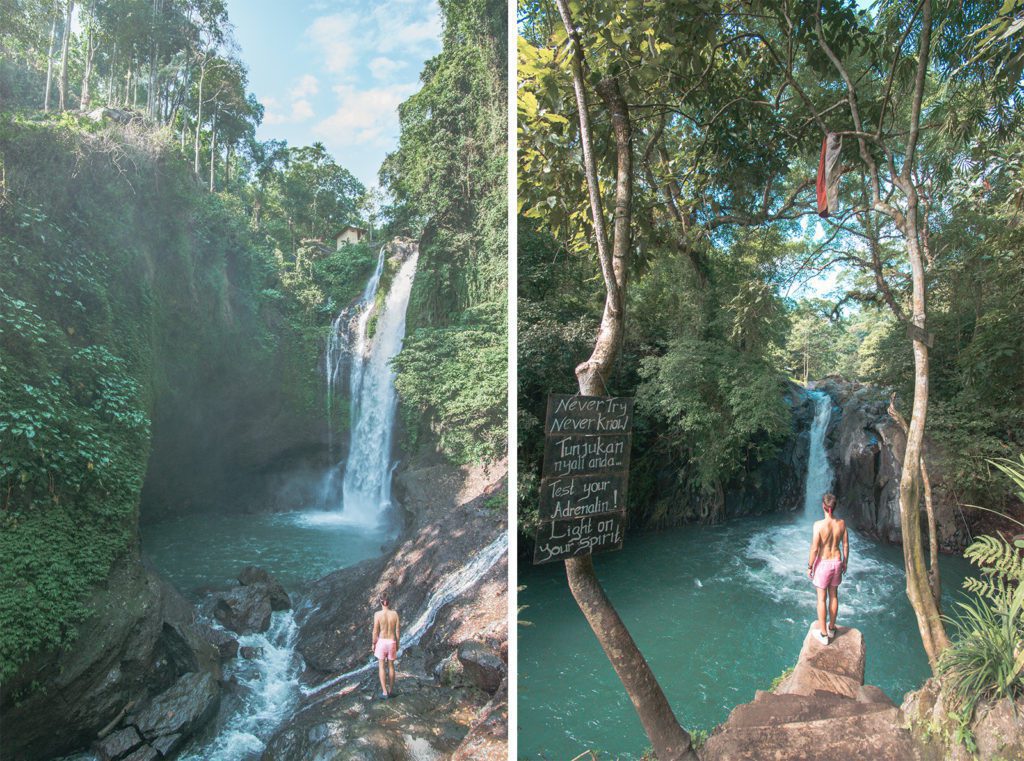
(819, 470)
(342, 329)
(269, 693)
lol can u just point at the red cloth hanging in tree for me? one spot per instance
(828, 174)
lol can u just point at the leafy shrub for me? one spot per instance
(986, 659)
(456, 376)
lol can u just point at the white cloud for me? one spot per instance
(365, 117)
(335, 36)
(299, 108)
(383, 68)
(306, 86)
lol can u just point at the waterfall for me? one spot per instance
(338, 343)
(778, 553)
(269, 692)
(819, 471)
(365, 490)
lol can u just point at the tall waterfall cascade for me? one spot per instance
(364, 492)
(819, 471)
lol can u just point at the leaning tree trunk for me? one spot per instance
(671, 742)
(934, 579)
(919, 591)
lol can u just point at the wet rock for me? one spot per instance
(865, 447)
(245, 610)
(167, 744)
(450, 673)
(254, 575)
(225, 644)
(185, 707)
(488, 737)
(117, 744)
(249, 653)
(421, 721)
(483, 668)
(145, 753)
(126, 649)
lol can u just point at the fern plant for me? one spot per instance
(986, 659)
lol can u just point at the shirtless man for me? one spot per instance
(385, 644)
(827, 564)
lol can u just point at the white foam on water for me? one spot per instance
(270, 691)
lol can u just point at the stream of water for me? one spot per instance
(718, 612)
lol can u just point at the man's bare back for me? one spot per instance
(385, 624)
(829, 534)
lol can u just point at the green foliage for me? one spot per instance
(777, 681)
(126, 290)
(448, 178)
(457, 375)
(717, 406)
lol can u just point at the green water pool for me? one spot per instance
(719, 612)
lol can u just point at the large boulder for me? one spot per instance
(118, 744)
(244, 610)
(255, 576)
(821, 711)
(865, 447)
(180, 710)
(481, 665)
(137, 640)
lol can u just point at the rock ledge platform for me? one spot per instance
(822, 710)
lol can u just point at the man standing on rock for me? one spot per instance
(385, 644)
(827, 564)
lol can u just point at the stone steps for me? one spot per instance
(769, 709)
(874, 736)
(822, 710)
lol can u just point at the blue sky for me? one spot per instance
(335, 71)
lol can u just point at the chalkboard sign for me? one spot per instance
(586, 471)
(580, 496)
(559, 540)
(588, 414)
(575, 454)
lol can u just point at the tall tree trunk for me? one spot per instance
(919, 591)
(934, 577)
(199, 118)
(63, 84)
(90, 52)
(213, 150)
(49, 59)
(111, 94)
(671, 742)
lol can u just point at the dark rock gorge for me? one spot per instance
(865, 447)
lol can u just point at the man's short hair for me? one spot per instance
(829, 501)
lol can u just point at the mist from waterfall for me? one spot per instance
(361, 486)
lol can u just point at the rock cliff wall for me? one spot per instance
(865, 447)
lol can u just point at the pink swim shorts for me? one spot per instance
(386, 650)
(827, 573)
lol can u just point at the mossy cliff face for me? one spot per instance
(147, 348)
